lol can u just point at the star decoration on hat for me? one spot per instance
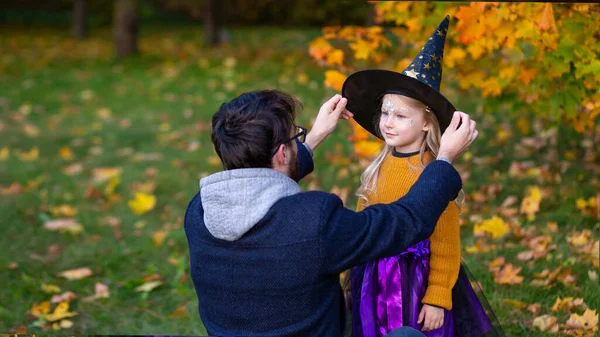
(411, 73)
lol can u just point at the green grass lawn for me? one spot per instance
(150, 116)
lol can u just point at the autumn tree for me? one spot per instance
(540, 58)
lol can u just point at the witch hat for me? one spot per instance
(420, 80)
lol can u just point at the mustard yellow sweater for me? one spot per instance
(394, 180)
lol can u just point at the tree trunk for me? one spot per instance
(79, 19)
(125, 27)
(212, 33)
(372, 15)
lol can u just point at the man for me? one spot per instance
(265, 257)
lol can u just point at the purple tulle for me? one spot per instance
(386, 294)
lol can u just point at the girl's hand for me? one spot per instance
(433, 316)
(327, 119)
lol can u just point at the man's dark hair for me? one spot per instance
(247, 129)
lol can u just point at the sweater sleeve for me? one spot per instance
(305, 164)
(351, 238)
(445, 259)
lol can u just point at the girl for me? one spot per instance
(424, 287)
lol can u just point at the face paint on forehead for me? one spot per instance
(390, 107)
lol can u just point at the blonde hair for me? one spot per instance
(431, 143)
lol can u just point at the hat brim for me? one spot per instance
(364, 90)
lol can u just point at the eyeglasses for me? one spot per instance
(300, 135)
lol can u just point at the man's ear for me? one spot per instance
(280, 155)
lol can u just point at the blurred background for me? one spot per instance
(105, 110)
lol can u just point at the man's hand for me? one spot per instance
(433, 316)
(327, 119)
(457, 139)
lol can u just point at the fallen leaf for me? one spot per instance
(514, 303)
(544, 322)
(50, 289)
(65, 297)
(76, 274)
(64, 225)
(179, 312)
(63, 210)
(61, 311)
(148, 286)
(66, 153)
(494, 226)
(525, 256)
(534, 308)
(73, 169)
(142, 203)
(508, 275)
(38, 310)
(66, 324)
(158, 238)
(102, 174)
(588, 321)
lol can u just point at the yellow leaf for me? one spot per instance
(66, 324)
(179, 312)
(476, 49)
(112, 185)
(578, 240)
(453, 56)
(158, 238)
(491, 87)
(319, 48)
(30, 155)
(514, 303)
(142, 203)
(362, 49)
(544, 322)
(523, 125)
(66, 153)
(335, 57)
(148, 286)
(494, 226)
(413, 24)
(581, 203)
(38, 310)
(50, 289)
(102, 174)
(588, 321)
(4, 153)
(61, 311)
(63, 210)
(367, 148)
(334, 79)
(76, 274)
(302, 78)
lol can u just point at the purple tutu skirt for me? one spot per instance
(386, 294)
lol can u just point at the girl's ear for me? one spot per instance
(425, 126)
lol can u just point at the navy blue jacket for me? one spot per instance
(281, 278)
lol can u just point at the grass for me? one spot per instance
(160, 108)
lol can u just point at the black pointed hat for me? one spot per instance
(420, 80)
